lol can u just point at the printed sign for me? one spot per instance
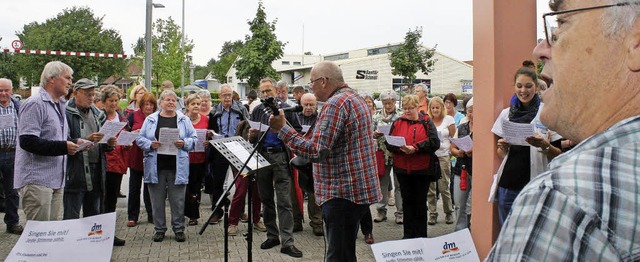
(457, 246)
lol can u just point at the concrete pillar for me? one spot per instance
(504, 35)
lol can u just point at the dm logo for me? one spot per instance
(95, 230)
(449, 247)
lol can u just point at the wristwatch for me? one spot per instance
(546, 149)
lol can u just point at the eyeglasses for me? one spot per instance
(310, 83)
(409, 108)
(551, 21)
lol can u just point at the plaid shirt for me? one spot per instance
(344, 129)
(8, 135)
(585, 208)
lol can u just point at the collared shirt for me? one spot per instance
(42, 117)
(586, 207)
(344, 129)
(228, 122)
(8, 135)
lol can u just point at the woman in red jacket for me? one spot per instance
(411, 164)
(147, 105)
(116, 159)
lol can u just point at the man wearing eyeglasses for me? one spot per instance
(342, 148)
(282, 89)
(586, 207)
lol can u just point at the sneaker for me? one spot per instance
(158, 237)
(392, 201)
(399, 219)
(180, 237)
(232, 230)
(260, 226)
(244, 218)
(433, 219)
(16, 229)
(449, 218)
(381, 216)
(118, 242)
(132, 223)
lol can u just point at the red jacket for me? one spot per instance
(425, 140)
(117, 158)
(136, 119)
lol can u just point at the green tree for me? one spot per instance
(260, 49)
(8, 69)
(74, 29)
(411, 56)
(167, 52)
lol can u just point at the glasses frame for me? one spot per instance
(547, 30)
(313, 80)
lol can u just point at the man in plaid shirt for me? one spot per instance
(343, 152)
(586, 207)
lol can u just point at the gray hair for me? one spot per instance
(268, 79)
(329, 70)
(615, 20)
(52, 69)
(421, 87)
(168, 93)
(282, 84)
(388, 94)
(225, 86)
(6, 80)
(204, 94)
(107, 92)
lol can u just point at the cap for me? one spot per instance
(84, 84)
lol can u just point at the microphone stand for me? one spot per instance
(223, 200)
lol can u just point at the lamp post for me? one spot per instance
(182, 58)
(147, 45)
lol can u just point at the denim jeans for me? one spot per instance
(341, 219)
(11, 195)
(463, 198)
(505, 200)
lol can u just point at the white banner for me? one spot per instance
(85, 239)
(457, 246)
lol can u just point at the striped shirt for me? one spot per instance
(586, 207)
(8, 135)
(344, 130)
(42, 117)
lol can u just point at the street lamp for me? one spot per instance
(147, 46)
(182, 58)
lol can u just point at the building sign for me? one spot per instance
(367, 74)
(467, 86)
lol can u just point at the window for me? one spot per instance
(337, 57)
(285, 63)
(398, 83)
(381, 50)
(297, 63)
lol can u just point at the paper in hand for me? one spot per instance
(384, 129)
(464, 143)
(167, 138)
(202, 136)
(110, 129)
(516, 133)
(395, 140)
(259, 126)
(85, 145)
(126, 138)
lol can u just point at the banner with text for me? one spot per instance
(457, 246)
(85, 239)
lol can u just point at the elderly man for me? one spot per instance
(223, 119)
(42, 146)
(585, 207)
(342, 148)
(282, 90)
(9, 109)
(277, 179)
(168, 85)
(421, 90)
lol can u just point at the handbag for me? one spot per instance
(434, 172)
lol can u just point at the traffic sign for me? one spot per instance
(16, 44)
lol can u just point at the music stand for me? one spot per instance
(238, 164)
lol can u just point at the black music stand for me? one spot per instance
(240, 165)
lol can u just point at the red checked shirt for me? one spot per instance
(343, 132)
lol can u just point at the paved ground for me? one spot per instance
(209, 246)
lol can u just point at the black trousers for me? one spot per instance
(413, 189)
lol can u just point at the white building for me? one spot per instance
(369, 70)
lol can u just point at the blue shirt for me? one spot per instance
(228, 122)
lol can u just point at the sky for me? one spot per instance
(321, 27)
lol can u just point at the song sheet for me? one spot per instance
(395, 140)
(464, 143)
(259, 126)
(515, 133)
(110, 129)
(202, 136)
(167, 138)
(242, 154)
(126, 138)
(384, 129)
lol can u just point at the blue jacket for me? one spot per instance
(150, 156)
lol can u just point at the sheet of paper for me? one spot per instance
(259, 126)
(456, 246)
(515, 133)
(167, 138)
(6, 121)
(126, 138)
(84, 239)
(305, 128)
(395, 140)
(215, 135)
(239, 151)
(464, 143)
(384, 129)
(110, 129)
(202, 136)
(84, 145)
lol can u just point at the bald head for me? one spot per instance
(167, 85)
(326, 77)
(330, 70)
(309, 103)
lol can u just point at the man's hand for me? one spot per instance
(179, 143)
(377, 134)
(112, 141)
(155, 144)
(95, 137)
(277, 122)
(253, 133)
(72, 148)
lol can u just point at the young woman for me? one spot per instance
(446, 129)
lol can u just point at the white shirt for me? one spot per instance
(443, 134)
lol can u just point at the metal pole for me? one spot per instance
(147, 48)
(182, 65)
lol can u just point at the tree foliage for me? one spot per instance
(74, 29)
(8, 69)
(411, 56)
(260, 50)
